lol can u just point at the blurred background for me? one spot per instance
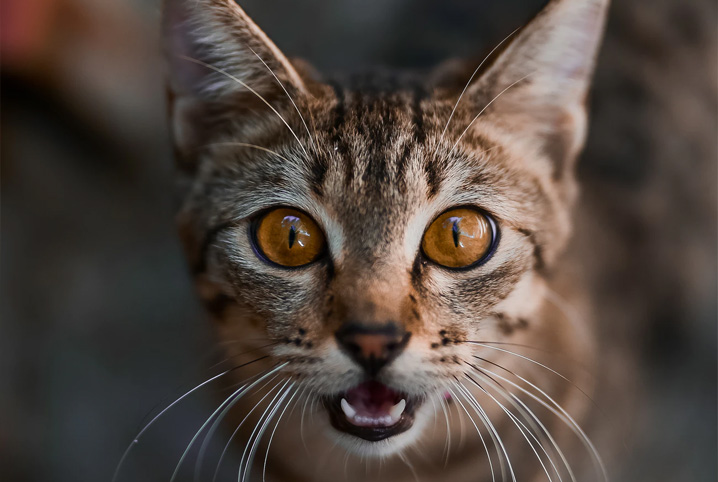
(98, 320)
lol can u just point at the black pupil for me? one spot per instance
(455, 232)
(292, 235)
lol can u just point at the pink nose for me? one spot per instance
(372, 347)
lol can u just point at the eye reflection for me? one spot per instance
(296, 230)
(288, 237)
(458, 238)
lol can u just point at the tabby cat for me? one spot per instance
(385, 254)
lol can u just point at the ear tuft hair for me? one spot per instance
(218, 57)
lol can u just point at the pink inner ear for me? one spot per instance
(447, 396)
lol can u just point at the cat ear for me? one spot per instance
(537, 86)
(219, 59)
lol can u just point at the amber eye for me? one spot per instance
(459, 238)
(289, 237)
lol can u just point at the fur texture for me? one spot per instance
(374, 159)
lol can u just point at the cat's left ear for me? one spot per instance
(537, 86)
(221, 64)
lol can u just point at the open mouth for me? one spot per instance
(371, 411)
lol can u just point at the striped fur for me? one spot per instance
(374, 159)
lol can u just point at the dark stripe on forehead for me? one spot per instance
(338, 140)
(374, 112)
(434, 173)
(319, 169)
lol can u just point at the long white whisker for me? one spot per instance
(462, 435)
(490, 426)
(483, 442)
(535, 363)
(285, 91)
(271, 437)
(232, 77)
(231, 399)
(482, 111)
(537, 427)
(252, 146)
(436, 411)
(213, 429)
(301, 421)
(267, 413)
(532, 415)
(236, 430)
(518, 422)
(136, 440)
(469, 83)
(447, 445)
(562, 414)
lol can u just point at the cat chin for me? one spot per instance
(383, 448)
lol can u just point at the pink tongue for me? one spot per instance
(372, 398)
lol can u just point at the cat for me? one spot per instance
(388, 251)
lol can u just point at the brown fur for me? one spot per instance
(369, 160)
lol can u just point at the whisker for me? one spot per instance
(486, 107)
(563, 416)
(244, 144)
(498, 442)
(531, 418)
(235, 79)
(410, 466)
(499, 389)
(271, 437)
(241, 476)
(236, 430)
(483, 442)
(231, 400)
(285, 91)
(462, 435)
(535, 363)
(447, 444)
(136, 440)
(206, 358)
(555, 445)
(469, 83)
(301, 421)
(532, 415)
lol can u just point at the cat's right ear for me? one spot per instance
(220, 64)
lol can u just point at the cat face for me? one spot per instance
(375, 229)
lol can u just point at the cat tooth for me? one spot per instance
(348, 409)
(397, 409)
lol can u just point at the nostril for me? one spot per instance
(372, 347)
(353, 347)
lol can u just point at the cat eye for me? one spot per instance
(459, 238)
(288, 237)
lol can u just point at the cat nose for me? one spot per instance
(372, 346)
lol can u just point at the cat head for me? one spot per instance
(373, 228)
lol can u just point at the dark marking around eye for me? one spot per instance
(456, 232)
(292, 235)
